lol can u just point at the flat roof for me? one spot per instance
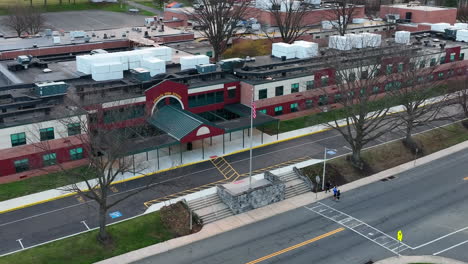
(421, 7)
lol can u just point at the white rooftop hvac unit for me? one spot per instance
(281, 50)
(126, 60)
(305, 49)
(402, 37)
(439, 27)
(191, 62)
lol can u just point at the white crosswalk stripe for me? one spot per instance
(359, 227)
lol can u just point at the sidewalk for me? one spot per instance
(271, 210)
(234, 143)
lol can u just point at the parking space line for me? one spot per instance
(442, 237)
(21, 243)
(84, 223)
(449, 248)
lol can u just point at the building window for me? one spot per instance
(74, 129)
(364, 75)
(219, 97)
(375, 90)
(279, 91)
(46, 133)
(49, 159)
(389, 68)
(18, 139)
(431, 77)
(397, 85)
(441, 75)
(422, 64)
(309, 104)
(451, 72)
(400, 67)
(389, 86)
(323, 100)
(433, 62)
(232, 93)
(278, 110)
(442, 60)
(324, 80)
(362, 91)
(421, 79)
(294, 88)
(76, 154)
(206, 99)
(294, 107)
(263, 111)
(462, 56)
(262, 94)
(124, 113)
(351, 94)
(352, 77)
(317, 37)
(452, 57)
(310, 85)
(338, 97)
(21, 165)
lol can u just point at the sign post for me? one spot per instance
(400, 238)
(329, 152)
(317, 182)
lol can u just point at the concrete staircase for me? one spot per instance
(210, 208)
(294, 184)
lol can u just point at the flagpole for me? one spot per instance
(252, 109)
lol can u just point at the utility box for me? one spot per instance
(231, 64)
(141, 74)
(50, 88)
(206, 68)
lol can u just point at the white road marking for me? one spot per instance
(442, 251)
(442, 237)
(21, 243)
(84, 223)
(348, 148)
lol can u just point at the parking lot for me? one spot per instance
(85, 20)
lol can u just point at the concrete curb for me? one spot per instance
(271, 210)
(419, 259)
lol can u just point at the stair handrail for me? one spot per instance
(305, 179)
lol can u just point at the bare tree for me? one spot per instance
(288, 17)
(105, 150)
(34, 21)
(341, 14)
(459, 87)
(218, 20)
(16, 19)
(358, 91)
(462, 14)
(414, 84)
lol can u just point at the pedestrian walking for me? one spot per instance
(335, 190)
(338, 193)
(327, 186)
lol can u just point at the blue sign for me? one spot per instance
(331, 152)
(115, 214)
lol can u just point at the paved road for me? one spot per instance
(427, 203)
(59, 218)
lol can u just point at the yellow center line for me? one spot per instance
(296, 246)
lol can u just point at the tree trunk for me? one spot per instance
(356, 158)
(103, 235)
(409, 131)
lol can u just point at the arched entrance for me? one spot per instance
(167, 100)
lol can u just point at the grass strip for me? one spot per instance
(130, 235)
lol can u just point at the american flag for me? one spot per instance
(254, 110)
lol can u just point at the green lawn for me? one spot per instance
(386, 156)
(84, 248)
(33, 185)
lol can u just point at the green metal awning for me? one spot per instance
(176, 122)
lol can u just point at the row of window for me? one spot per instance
(279, 90)
(209, 98)
(48, 159)
(19, 139)
(124, 113)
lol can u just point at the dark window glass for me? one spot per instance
(18, 139)
(294, 88)
(49, 159)
(74, 129)
(76, 154)
(46, 133)
(279, 91)
(278, 110)
(262, 94)
(21, 165)
(232, 93)
(294, 107)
